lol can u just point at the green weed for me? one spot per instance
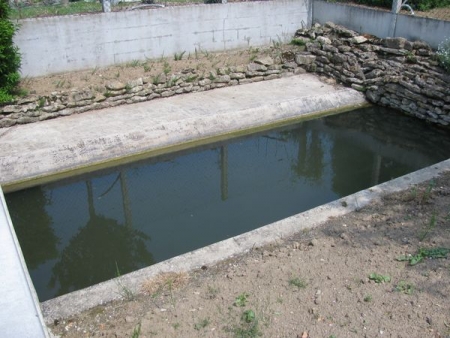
(172, 81)
(156, 79)
(41, 102)
(201, 324)
(191, 78)
(248, 316)
(147, 68)
(299, 283)
(298, 42)
(248, 327)
(368, 298)
(427, 194)
(241, 300)
(125, 291)
(277, 43)
(428, 228)
(134, 63)
(378, 278)
(211, 77)
(137, 331)
(60, 83)
(443, 54)
(178, 56)
(424, 253)
(404, 287)
(166, 69)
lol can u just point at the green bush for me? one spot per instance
(425, 5)
(443, 54)
(9, 55)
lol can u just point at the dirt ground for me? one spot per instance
(360, 275)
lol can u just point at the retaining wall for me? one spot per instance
(393, 72)
(69, 43)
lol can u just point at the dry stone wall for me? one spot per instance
(392, 72)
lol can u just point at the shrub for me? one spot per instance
(425, 5)
(9, 55)
(443, 54)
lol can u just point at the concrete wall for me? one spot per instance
(67, 43)
(382, 23)
(416, 28)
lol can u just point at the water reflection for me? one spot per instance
(99, 250)
(74, 233)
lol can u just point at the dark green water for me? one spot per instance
(76, 232)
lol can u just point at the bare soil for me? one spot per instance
(318, 283)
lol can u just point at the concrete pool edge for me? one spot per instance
(20, 314)
(78, 301)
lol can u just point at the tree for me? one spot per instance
(9, 55)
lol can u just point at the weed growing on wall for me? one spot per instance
(9, 55)
(443, 54)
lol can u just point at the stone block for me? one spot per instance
(323, 40)
(305, 59)
(264, 60)
(358, 39)
(115, 85)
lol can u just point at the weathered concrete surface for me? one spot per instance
(39, 150)
(67, 305)
(20, 315)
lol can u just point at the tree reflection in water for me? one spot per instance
(97, 250)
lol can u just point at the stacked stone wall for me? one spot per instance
(393, 72)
